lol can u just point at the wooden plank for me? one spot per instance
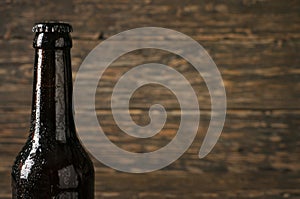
(261, 51)
(160, 185)
(272, 140)
(248, 92)
(187, 17)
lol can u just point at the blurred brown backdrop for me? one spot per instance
(255, 44)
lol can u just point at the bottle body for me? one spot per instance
(52, 164)
(62, 171)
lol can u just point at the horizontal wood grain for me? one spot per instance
(183, 16)
(115, 185)
(255, 45)
(272, 139)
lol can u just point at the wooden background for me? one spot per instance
(255, 44)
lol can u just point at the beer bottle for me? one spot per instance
(52, 164)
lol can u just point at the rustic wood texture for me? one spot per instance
(254, 43)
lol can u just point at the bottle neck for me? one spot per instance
(52, 94)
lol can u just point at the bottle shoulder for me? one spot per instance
(51, 156)
(60, 168)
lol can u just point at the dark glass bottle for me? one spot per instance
(52, 164)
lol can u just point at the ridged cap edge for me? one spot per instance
(52, 27)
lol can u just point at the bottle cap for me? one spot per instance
(52, 27)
